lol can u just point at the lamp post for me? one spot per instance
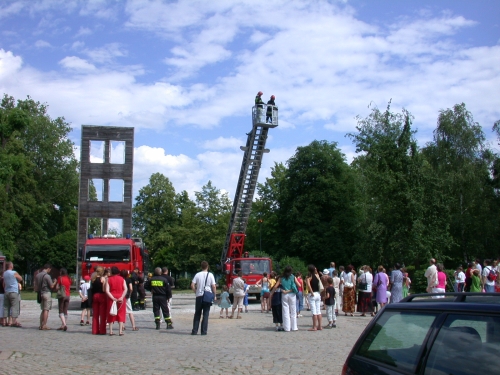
(260, 234)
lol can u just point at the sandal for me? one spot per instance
(135, 329)
(16, 325)
(238, 317)
(112, 334)
(121, 334)
(221, 317)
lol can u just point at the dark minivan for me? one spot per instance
(457, 334)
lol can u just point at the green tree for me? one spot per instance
(39, 182)
(459, 156)
(318, 216)
(154, 215)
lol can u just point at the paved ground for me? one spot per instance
(246, 346)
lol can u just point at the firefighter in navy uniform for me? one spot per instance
(259, 103)
(161, 293)
(141, 291)
(133, 296)
(269, 111)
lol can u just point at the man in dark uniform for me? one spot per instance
(141, 291)
(133, 296)
(259, 103)
(269, 111)
(170, 281)
(161, 292)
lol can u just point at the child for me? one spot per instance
(245, 299)
(225, 303)
(84, 287)
(277, 308)
(476, 281)
(330, 304)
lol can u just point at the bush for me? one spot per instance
(182, 283)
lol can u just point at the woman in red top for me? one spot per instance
(63, 281)
(116, 289)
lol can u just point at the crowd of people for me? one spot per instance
(112, 294)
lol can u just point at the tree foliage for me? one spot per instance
(38, 186)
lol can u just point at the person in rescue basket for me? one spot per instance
(259, 104)
(269, 111)
(160, 289)
(202, 280)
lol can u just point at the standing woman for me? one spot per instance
(312, 283)
(441, 281)
(349, 296)
(300, 295)
(128, 303)
(116, 289)
(2, 294)
(336, 286)
(63, 281)
(264, 293)
(99, 302)
(396, 284)
(381, 282)
(289, 286)
(365, 292)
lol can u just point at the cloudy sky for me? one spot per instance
(185, 73)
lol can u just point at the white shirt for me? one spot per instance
(367, 277)
(431, 275)
(486, 272)
(460, 278)
(199, 281)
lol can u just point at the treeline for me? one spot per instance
(38, 187)
(396, 202)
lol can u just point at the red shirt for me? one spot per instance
(301, 282)
(66, 281)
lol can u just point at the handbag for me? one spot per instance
(61, 292)
(320, 285)
(208, 296)
(363, 285)
(113, 311)
(294, 286)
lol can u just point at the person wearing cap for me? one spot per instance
(269, 111)
(259, 104)
(84, 295)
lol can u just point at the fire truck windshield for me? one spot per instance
(251, 266)
(107, 253)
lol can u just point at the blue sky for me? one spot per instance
(185, 73)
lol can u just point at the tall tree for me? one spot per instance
(39, 184)
(459, 156)
(392, 181)
(154, 215)
(318, 215)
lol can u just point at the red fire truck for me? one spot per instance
(234, 258)
(108, 251)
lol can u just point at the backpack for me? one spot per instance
(492, 275)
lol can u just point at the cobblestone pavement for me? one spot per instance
(244, 346)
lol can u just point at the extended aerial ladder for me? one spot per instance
(247, 182)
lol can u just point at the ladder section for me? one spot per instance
(247, 181)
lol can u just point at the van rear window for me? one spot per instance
(397, 339)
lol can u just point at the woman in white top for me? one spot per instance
(349, 296)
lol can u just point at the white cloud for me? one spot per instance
(106, 53)
(83, 31)
(42, 44)
(76, 63)
(223, 143)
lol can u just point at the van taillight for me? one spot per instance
(346, 370)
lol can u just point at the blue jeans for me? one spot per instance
(300, 302)
(489, 288)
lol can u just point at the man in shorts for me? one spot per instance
(11, 280)
(44, 284)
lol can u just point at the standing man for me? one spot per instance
(331, 269)
(202, 281)
(171, 283)
(11, 280)
(431, 275)
(259, 104)
(44, 284)
(133, 295)
(489, 277)
(160, 290)
(269, 110)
